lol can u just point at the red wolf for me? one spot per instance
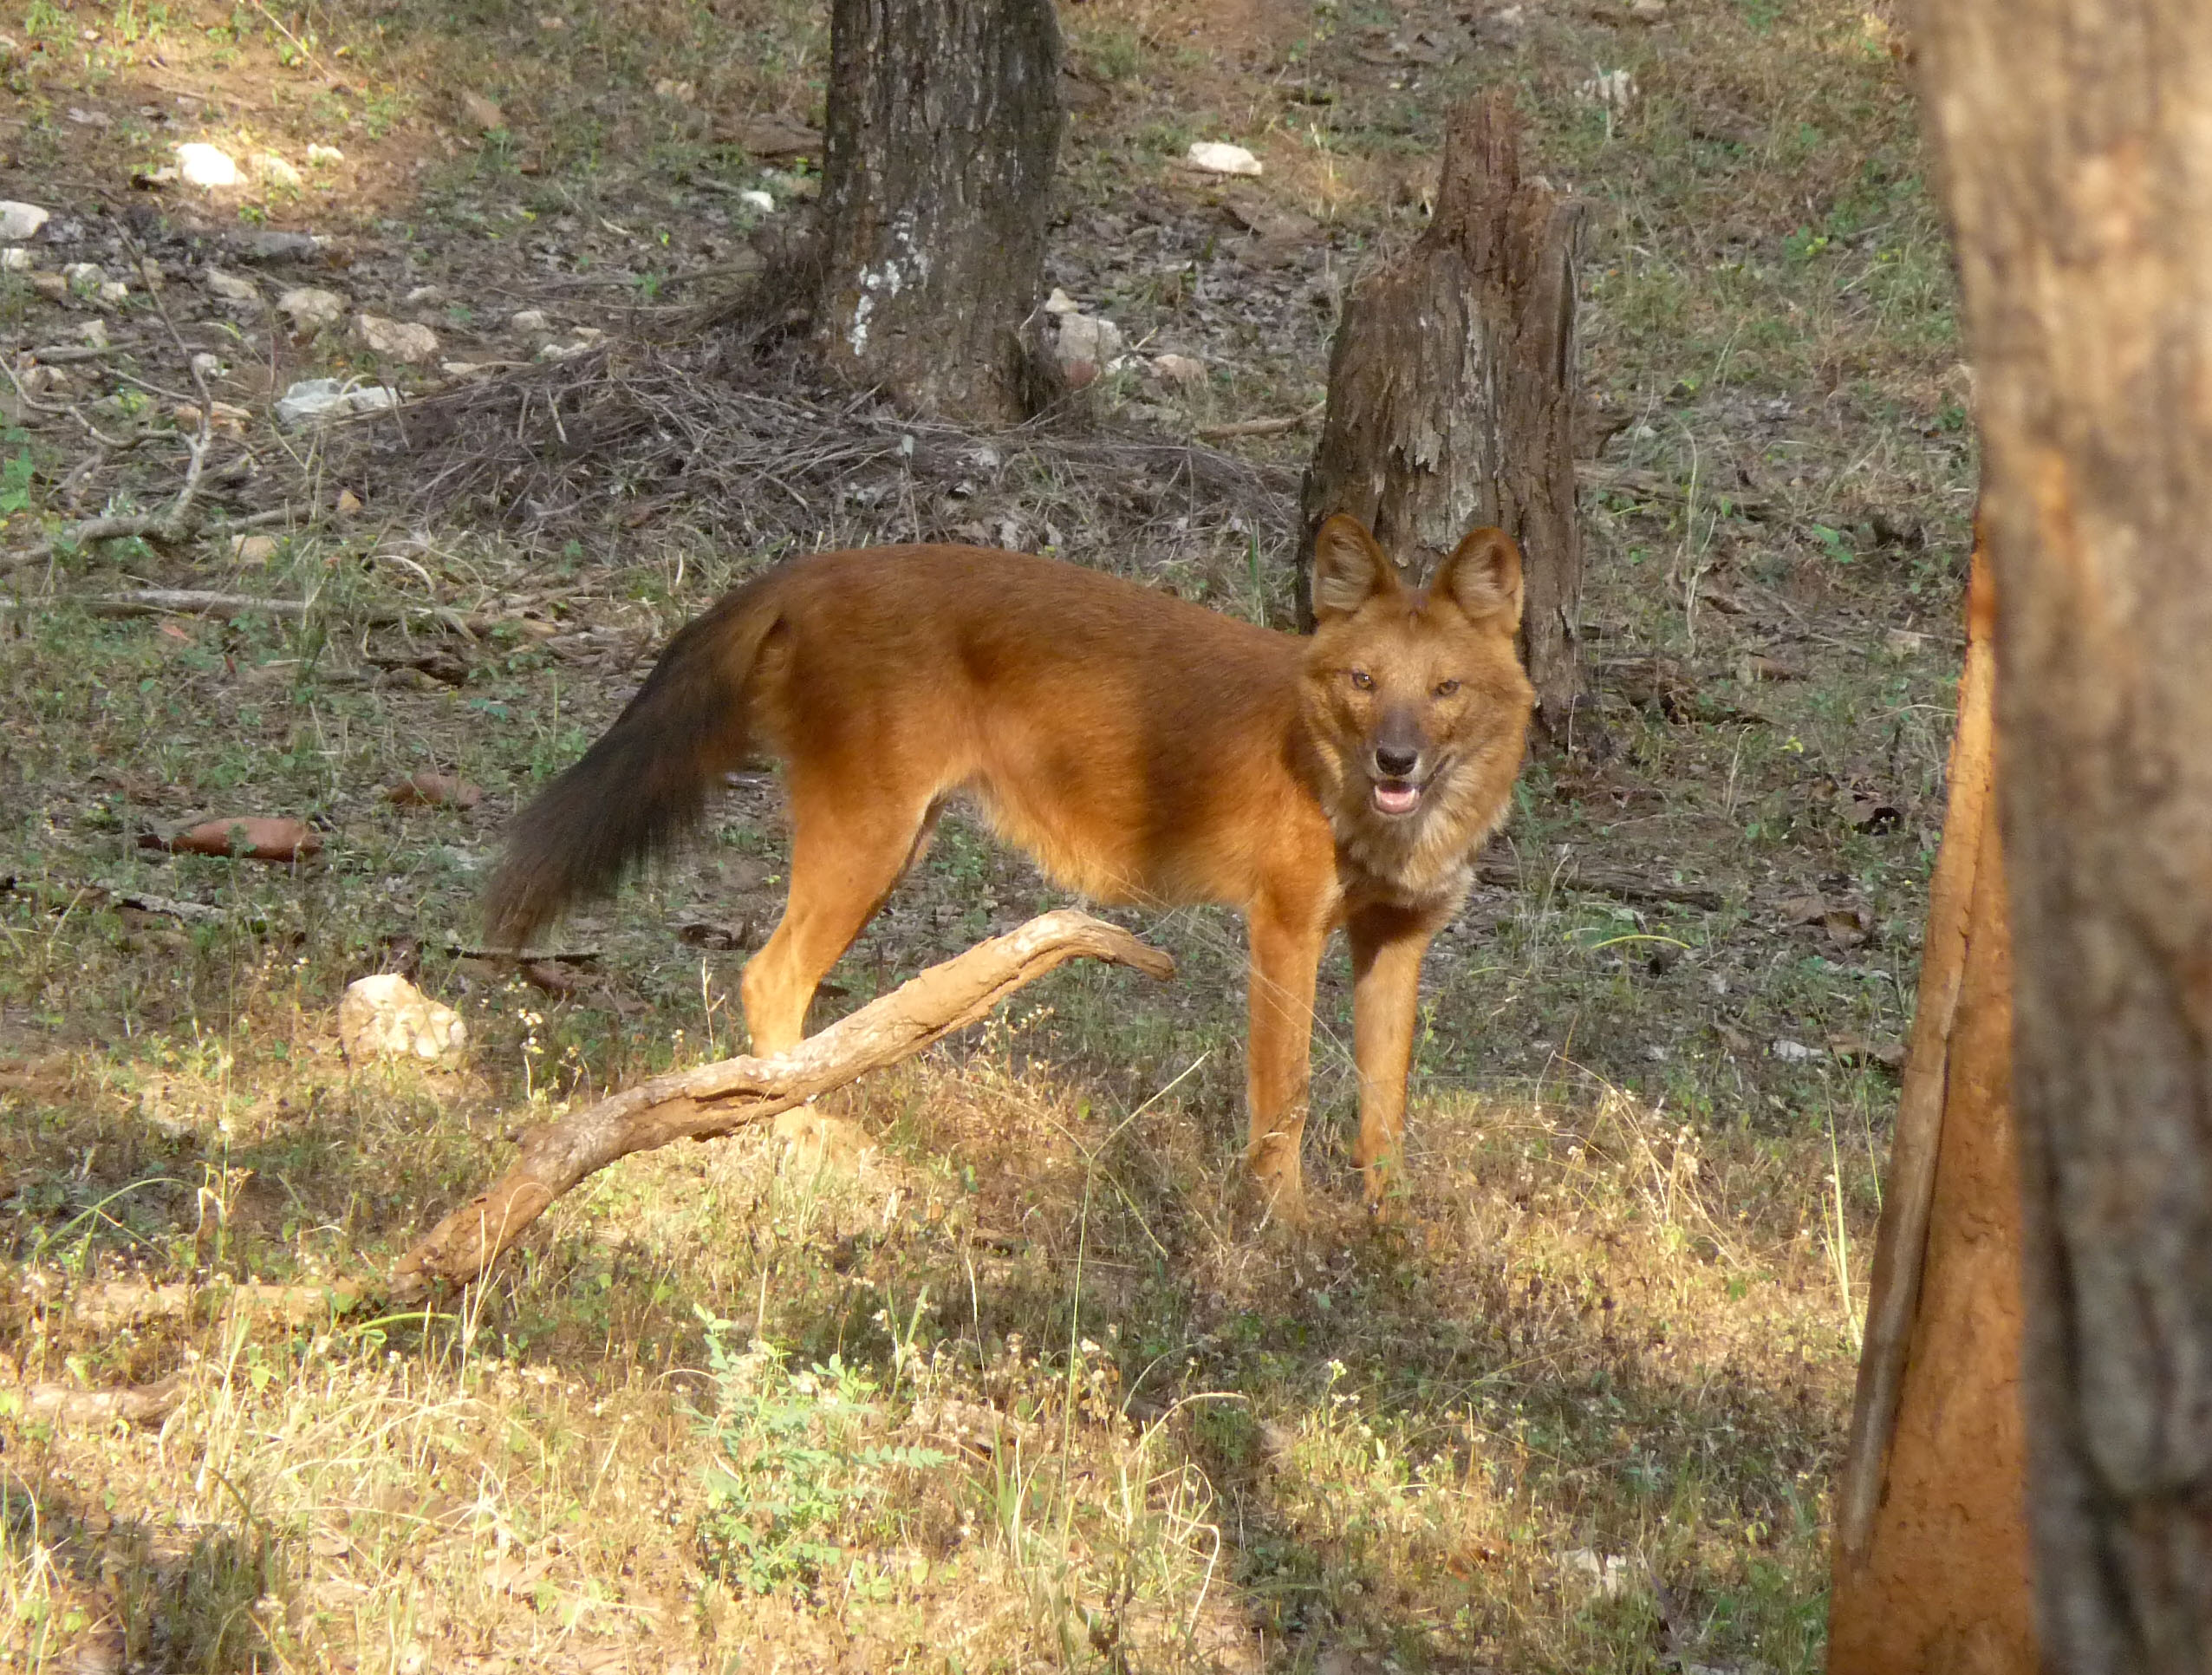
(1141, 748)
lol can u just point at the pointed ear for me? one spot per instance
(1483, 578)
(1349, 568)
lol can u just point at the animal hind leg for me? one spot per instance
(846, 855)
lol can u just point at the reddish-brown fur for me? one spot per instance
(1141, 748)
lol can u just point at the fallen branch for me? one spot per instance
(1273, 427)
(142, 1404)
(193, 602)
(1651, 485)
(717, 1099)
(1503, 873)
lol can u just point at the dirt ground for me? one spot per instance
(996, 1381)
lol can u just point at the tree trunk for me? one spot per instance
(1453, 390)
(1931, 1573)
(944, 126)
(2078, 178)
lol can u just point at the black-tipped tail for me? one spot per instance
(641, 789)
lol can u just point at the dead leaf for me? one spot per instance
(434, 791)
(1758, 666)
(704, 932)
(553, 977)
(251, 838)
(1804, 910)
(510, 1573)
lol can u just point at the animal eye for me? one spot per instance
(1446, 689)
(1362, 680)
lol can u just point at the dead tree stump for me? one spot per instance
(1453, 392)
(944, 124)
(1931, 1560)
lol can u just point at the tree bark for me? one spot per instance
(715, 1100)
(1453, 390)
(944, 126)
(2078, 179)
(1931, 1572)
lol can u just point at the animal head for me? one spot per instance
(1415, 697)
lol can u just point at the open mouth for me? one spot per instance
(1396, 797)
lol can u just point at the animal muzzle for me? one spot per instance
(1398, 761)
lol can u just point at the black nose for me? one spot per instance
(1395, 762)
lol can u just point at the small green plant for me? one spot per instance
(15, 476)
(799, 1478)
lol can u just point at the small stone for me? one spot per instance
(112, 292)
(387, 1017)
(681, 92)
(528, 319)
(426, 297)
(253, 549)
(589, 336)
(1211, 157)
(275, 171)
(207, 365)
(52, 286)
(311, 309)
(1179, 369)
(396, 339)
(14, 259)
(92, 334)
(19, 221)
(210, 167)
(754, 199)
(1060, 302)
(348, 504)
(482, 114)
(230, 287)
(275, 244)
(1086, 346)
(83, 277)
(322, 156)
(467, 368)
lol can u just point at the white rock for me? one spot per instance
(86, 276)
(112, 292)
(387, 1017)
(1795, 1052)
(591, 336)
(14, 259)
(201, 165)
(424, 296)
(396, 339)
(528, 319)
(1086, 346)
(1179, 369)
(1211, 157)
(21, 221)
(271, 167)
(206, 365)
(317, 156)
(311, 309)
(230, 287)
(92, 334)
(757, 199)
(1060, 302)
(318, 401)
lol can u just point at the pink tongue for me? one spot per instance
(1396, 799)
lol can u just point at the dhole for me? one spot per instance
(1143, 749)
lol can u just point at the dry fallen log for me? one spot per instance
(140, 1404)
(717, 1099)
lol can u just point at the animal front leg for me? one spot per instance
(1285, 957)
(1387, 946)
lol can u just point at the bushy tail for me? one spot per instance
(638, 792)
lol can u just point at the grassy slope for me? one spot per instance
(1011, 1390)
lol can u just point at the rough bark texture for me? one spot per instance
(717, 1099)
(2079, 176)
(1453, 390)
(944, 126)
(1931, 1569)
